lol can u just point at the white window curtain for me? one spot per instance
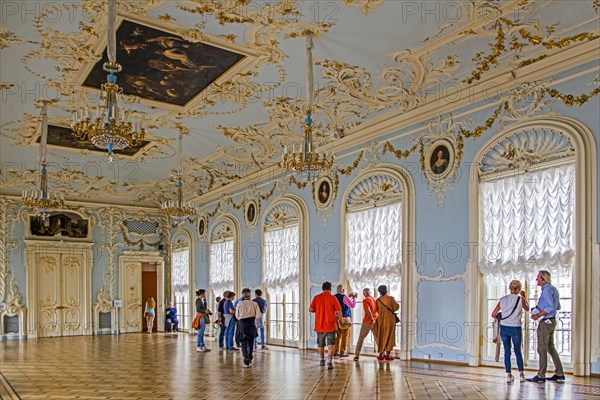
(527, 224)
(282, 268)
(180, 276)
(374, 246)
(221, 266)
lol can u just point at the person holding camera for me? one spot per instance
(545, 313)
(343, 331)
(204, 317)
(508, 311)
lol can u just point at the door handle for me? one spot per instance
(60, 307)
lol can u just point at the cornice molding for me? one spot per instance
(505, 79)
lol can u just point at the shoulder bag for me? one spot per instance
(392, 311)
(499, 315)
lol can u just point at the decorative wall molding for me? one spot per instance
(440, 278)
(524, 149)
(280, 214)
(223, 229)
(374, 190)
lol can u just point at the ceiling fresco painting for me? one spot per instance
(161, 66)
(63, 137)
(231, 75)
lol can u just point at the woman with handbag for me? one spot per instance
(149, 313)
(508, 311)
(385, 326)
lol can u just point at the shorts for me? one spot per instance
(322, 336)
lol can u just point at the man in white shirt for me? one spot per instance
(247, 312)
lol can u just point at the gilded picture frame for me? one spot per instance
(440, 157)
(202, 227)
(251, 212)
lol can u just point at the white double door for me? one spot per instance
(59, 288)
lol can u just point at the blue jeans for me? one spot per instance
(514, 333)
(229, 332)
(201, 329)
(222, 336)
(262, 338)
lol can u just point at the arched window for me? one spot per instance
(527, 217)
(222, 258)
(282, 273)
(180, 277)
(374, 237)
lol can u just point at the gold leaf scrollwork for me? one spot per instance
(141, 242)
(348, 170)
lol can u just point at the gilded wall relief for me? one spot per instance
(202, 226)
(325, 190)
(374, 190)
(440, 156)
(280, 214)
(524, 149)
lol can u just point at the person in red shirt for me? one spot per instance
(328, 313)
(368, 320)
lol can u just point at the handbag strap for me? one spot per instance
(392, 311)
(513, 310)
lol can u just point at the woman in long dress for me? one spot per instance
(385, 326)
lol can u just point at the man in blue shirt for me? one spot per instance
(260, 323)
(545, 313)
(171, 318)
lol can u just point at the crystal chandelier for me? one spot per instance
(109, 128)
(308, 161)
(41, 200)
(179, 210)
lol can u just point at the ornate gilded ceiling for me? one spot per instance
(231, 76)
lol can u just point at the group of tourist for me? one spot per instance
(242, 321)
(238, 321)
(333, 320)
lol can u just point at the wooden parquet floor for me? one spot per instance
(165, 366)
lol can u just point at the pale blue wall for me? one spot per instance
(441, 239)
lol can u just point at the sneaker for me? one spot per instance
(337, 355)
(557, 378)
(322, 363)
(199, 349)
(510, 379)
(246, 365)
(206, 349)
(522, 379)
(265, 348)
(330, 366)
(355, 358)
(345, 355)
(234, 349)
(536, 379)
